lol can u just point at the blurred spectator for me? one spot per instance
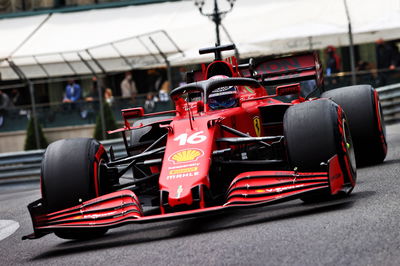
(128, 87)
(150, 103)
(108, 96)
(396, 54)
(88, 109)
(15, 97)
(385, 55)
(385, 59)
(5, 101)
(154, 80)
(72, 92)
(367, 72)
(93, 93)
(5, 104)
(332, 62)
(164, 92)
(183, 76)
(363, 65)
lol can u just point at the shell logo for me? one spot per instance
(186, 155)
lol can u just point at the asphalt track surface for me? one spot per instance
(363, 229)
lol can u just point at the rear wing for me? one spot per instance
(292, 68)
(272, 71)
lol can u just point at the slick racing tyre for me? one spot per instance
(314, 132)
(71, 175)
(362, 107)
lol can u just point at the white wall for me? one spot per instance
(14, 141)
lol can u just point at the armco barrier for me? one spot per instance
(27, 164)
(390, 101)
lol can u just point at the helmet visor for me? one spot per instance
(223, 98)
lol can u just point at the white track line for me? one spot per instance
(7, 228)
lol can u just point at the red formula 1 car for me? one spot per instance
(228, 144)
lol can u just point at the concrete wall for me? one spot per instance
(14, 141)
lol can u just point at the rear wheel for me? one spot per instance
(363, 109)
(314, 132)
(71, 175)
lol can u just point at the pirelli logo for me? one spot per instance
(183, 171)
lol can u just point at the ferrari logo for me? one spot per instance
(257, 125)
(179, 192)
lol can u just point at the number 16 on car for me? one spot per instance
(194, 138)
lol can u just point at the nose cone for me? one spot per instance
(180, 196)
(186, 162)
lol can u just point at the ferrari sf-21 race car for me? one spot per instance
(228, 144)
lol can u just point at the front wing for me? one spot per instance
(250, 189)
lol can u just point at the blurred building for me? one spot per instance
(13, 6)
(45, 38)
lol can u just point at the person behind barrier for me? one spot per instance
(5, 104)
(128, 88)
(72, 92)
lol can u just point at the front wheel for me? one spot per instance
(315, 131)
(71, 175)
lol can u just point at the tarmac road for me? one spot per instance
(363, 229)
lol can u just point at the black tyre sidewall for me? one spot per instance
(314, 134)
(362, 107)
(68, 173)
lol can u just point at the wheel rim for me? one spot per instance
(381, 121)
(99, 181)
(349, 146)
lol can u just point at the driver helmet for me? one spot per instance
(223, 97)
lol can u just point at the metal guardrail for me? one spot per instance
(27, 163)
(390, 101)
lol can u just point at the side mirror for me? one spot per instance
(200, 106)
(131, 113)
(288, 89)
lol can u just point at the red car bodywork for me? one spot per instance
(197, 134)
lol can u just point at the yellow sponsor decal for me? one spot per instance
(257, 125)
(183, 171)
(187, 155)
